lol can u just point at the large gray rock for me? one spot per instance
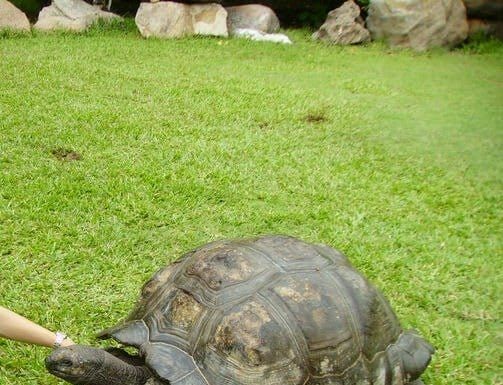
(489, 9)
(418, 24)
(252, 16)
(343, 26)
(12, 18)
(168, 19)
(73, 15)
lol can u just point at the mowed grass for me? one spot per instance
(392, 157)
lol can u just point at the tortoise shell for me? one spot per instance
(272, 310)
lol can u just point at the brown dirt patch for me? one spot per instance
(315, 117)
(64, 154)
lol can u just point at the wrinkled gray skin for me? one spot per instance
(85, 365)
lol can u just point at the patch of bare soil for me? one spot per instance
(315, 117)
(64, 154)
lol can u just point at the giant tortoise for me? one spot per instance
(271, 310)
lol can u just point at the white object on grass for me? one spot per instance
(253, 34)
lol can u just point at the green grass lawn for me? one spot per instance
(392, 157)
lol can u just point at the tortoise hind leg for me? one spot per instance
(403, 361)
(415, 354)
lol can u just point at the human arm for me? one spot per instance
(15, 327)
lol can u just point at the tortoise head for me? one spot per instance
(85, 365)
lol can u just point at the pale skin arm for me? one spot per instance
(17, 328)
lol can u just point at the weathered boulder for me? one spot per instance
(170, 20)
(163, 19)
(12, 18)
(418, 24)
(343, 26)
(73, 15)
(252, 16)
(488, 9)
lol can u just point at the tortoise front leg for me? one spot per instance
(86, 365)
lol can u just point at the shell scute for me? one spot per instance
(154, 290)
(181, 312)
(249, 334)
(222, 265)
(320, 314)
